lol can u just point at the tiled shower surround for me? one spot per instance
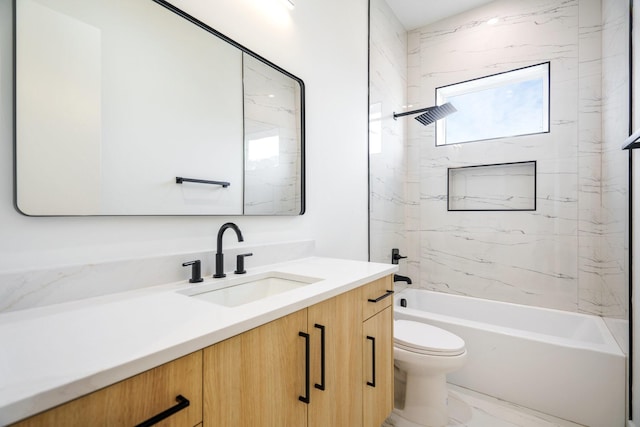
(571, 252)
(387, 153)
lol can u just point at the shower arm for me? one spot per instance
(407, 113)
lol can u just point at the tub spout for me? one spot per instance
(399, 278)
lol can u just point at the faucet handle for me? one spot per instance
(196, 275)
(395, 256)
(240, 263)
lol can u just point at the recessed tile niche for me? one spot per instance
(495, 187)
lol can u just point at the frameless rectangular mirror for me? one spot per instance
(136, 108)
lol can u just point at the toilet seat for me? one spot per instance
(421, 338)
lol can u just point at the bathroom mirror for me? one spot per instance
(136, 108)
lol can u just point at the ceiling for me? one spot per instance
(417, 13)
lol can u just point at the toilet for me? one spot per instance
(426, 354)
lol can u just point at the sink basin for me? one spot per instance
(245, 290)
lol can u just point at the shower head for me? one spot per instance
(436, 113)
(430, 114)
(632, 142)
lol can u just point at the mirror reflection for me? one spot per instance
(117, 99)
(272, 132)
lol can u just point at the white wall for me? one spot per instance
(325, 44)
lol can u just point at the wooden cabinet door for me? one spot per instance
(376, 296)
(135, 400)
(340, 320)
(255, 379)
(377, 363)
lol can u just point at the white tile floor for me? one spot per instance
(470, 409)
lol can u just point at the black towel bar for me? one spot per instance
(180, 180)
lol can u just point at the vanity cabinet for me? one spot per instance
(377, 355)
(135, 400)
(300, 370)
(263, 377)
(254, 379)
(330, 364)
(336, 394)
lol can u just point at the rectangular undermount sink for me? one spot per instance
(245, 290)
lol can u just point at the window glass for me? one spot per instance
(508, 104)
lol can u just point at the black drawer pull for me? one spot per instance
(380, 298)
(321, 386)
(307, 390)
(183, 402)
(373, 361)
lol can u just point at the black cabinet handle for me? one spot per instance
(305, 398)
(373, 361)
(322, 357)
(380, 298)
(183, 402)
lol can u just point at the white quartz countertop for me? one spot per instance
(50, 355)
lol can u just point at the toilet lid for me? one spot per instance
(421, 338)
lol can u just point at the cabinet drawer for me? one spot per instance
(376, 296)
(135, 400)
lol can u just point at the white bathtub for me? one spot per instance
(560, 363)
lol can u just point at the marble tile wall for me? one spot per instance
(590, 154)
(39, 287)
(612, 258)
(570, 253)
(388, 155)
(506, 186)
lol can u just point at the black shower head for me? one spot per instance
(430, 114)
(436, 113)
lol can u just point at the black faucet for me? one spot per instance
(195, 270)
(219, 254)
(399, 278)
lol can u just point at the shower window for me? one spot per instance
(508, 104)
